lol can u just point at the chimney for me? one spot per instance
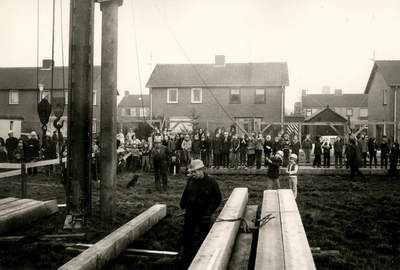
(126, 93)
(220, 60)
(326, 90)
(304, 92)
(47, 64)
(338, 92)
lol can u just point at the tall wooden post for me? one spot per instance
(108, 130)
(80, 110)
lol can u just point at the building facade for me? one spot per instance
(219, 95)
(384, 99)
(22, 88)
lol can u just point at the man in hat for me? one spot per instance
(273, 172)
(11, 145)
(32, 151)
(200, 199)
(160, 156)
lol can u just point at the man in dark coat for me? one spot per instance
(49, 150)
(32, 151)
(11, 145)
(200, 199)
(160, 155)
(355, 159)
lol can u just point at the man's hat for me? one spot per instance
(33, 133)
(195, 165)
(10, 132)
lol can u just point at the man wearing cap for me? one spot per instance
(11, 145)
(160, 156)
(273, 171)
(200, 198)
(32, 151)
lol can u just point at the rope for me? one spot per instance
(263, 221)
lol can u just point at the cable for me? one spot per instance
(246, 228)
(201, 78)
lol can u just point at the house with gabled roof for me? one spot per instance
(384, 98)
(219, 94)
(133, 111)
(326, 115)
(349, 106)
(22, 88)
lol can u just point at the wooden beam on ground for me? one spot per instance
(61, 237)
(110, 247)
(270, 244)
(216, 249)
(11, 239)
(297, 251)
(241, 251)
(20, 212)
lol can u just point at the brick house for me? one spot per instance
(353, 106)
(20, 95)
(132, 112)
(213, 95)
(384, 99)
(325, 115)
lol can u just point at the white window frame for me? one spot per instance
(264, 96)
(66, 96)
(308, 112)
(133, 111)
(146, 111)
(10, 97)
(231, 95)
(363, 112)
(45, 94)
(168, 95)
(94, 98)
(201, 95)
(123, 112)
(94, 126)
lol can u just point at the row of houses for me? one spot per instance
(248, 96)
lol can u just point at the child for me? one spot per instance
(276, 146)
(135, 153)
(145, 157)
(286, 145)
(18, 154)
(326, 146)
(196, 145)
(338, 151)
(243, 149)
(250, 153)
(268, 146)
(372, 148)
(273, 172)
(204, 150)
(292, 170)
(317, 152)
(384, 147)
(3, 153)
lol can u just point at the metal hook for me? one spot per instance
(56, 125)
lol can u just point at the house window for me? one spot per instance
(259, 96)
(144, 111)
(45, 94)
(66, 96)
(94, 98)
(132, 112)
(363, 113)
(94, 126)
(308, 112)
(172, 95)
(234, 96)
(13, 97)
(197, 95)
(349, 112)
(123, 112)
(385, 96)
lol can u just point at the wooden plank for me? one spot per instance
(10, 165)
(7, 200)
(110, 247)
(297, 251)
(241, 251)
(270, 245)
(13, 204)
(60, 237)
(28, 214)
(10, 173)
(216, 249)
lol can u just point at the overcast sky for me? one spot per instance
(323, 42)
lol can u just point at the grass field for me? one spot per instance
(359, 219)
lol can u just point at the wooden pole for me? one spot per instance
(24, 190)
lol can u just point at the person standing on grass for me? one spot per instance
(243, 150)
(363, 142)
(372, 149)
(326, 146)
(355, 159)
(307, 146)
(295, 146)
(160, 155)
(216, 146)
(384, 147)
(292, 170)
(32, 152)
(259, 148)
(286, 145)
(235, 151)
(317, 152)
(338, 152)
(200, 199)
(268, 146)
(19, 153)
(394, 156)
(135, 153)
(11, 145)
(273, 172)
